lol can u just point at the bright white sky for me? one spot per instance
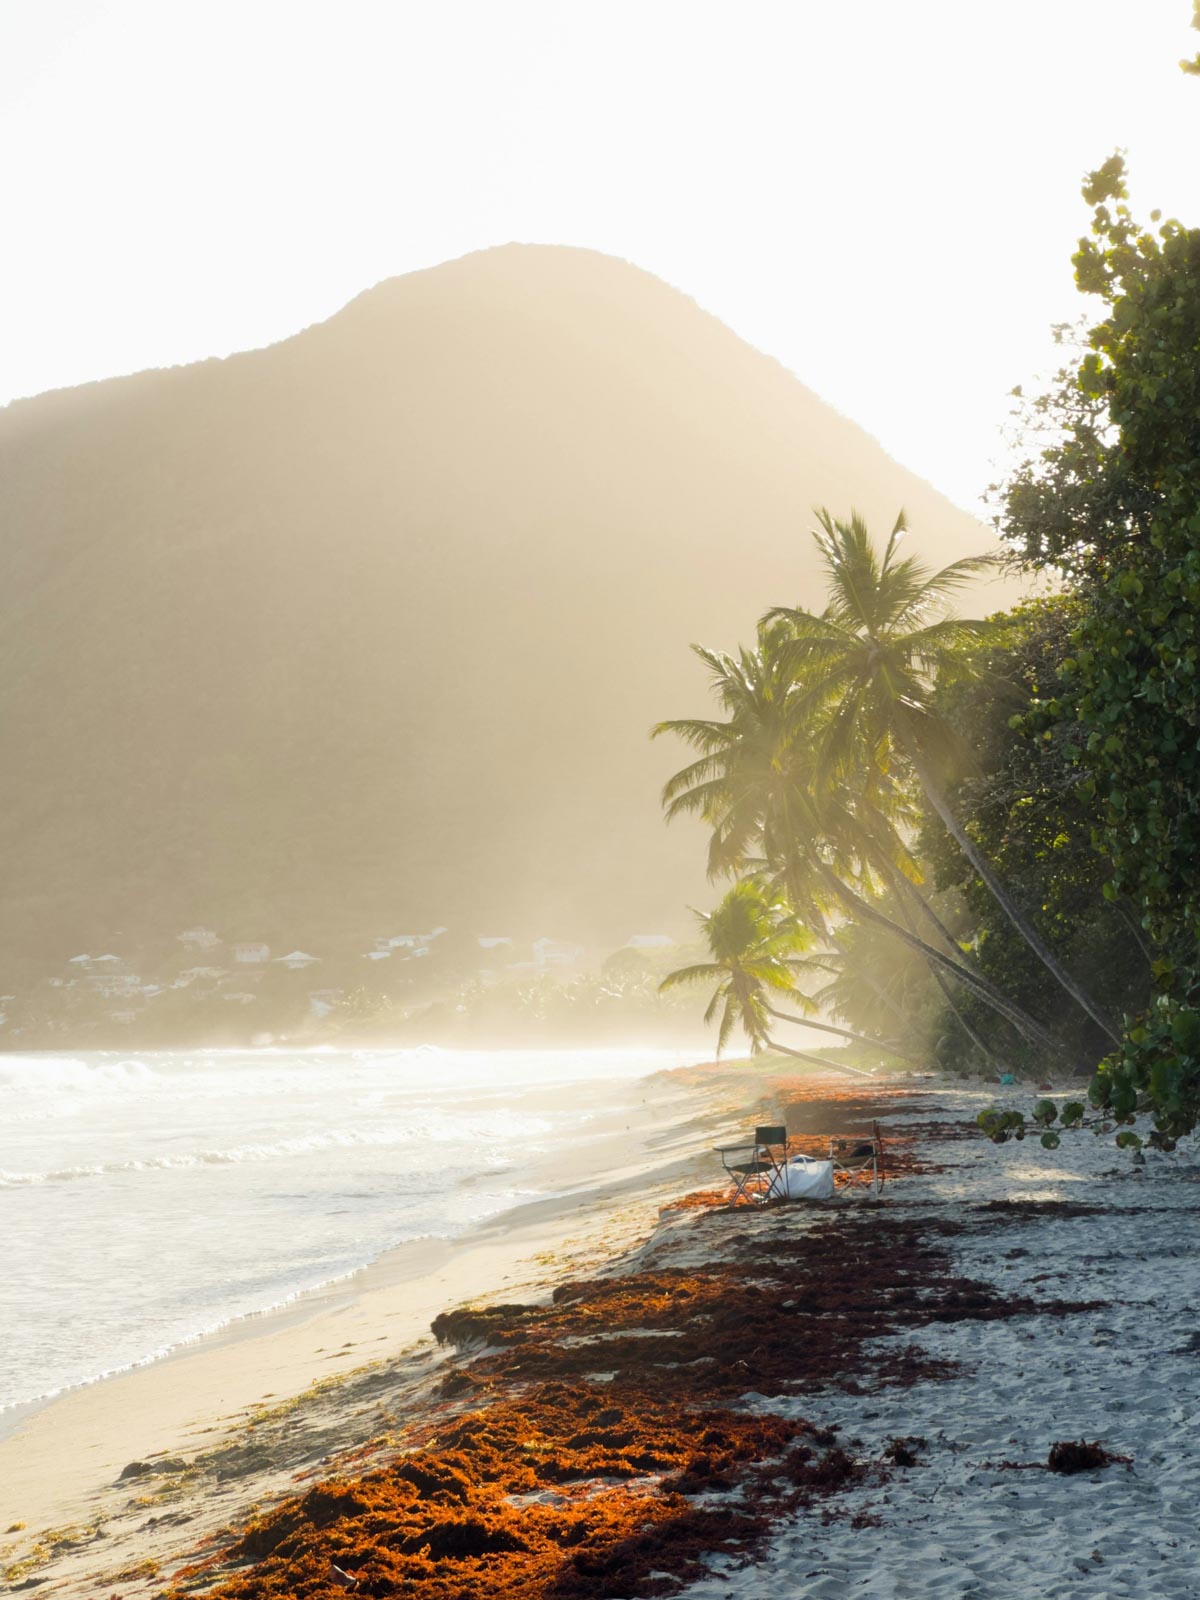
(881, 193)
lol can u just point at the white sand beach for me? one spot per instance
(960, 1525)
(977, 1514)
(59, 1465)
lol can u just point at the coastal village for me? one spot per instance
(248, 991)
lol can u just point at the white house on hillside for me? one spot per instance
(295, 960)
(112, 984)
(416, 944)
(198, 938)
(555, 953)
(249, 954)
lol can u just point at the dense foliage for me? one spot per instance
(1010, 813)
(1019, 798)
(1114, 503)
(849, 756)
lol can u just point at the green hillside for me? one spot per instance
(364, 631)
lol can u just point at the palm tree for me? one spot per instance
(870, 662)
(756, 947)
(761, 785)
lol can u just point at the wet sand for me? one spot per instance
(59, 1461)
(814, 1400)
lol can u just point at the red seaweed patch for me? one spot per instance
(594, 1446)
(1082, 1455)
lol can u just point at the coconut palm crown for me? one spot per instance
(870, 663)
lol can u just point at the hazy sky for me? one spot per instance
(883, 195)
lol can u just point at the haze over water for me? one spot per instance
(150, 1198)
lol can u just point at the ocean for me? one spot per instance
(150, 1198)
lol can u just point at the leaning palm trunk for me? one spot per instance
(820, 1061)
(1019, 921)
(822, 926)
(936, 972)
(987, 992)
(975, 1038)
(898, 880)
(845, 1033)
(1130, 922)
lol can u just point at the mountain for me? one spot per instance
(364, 631)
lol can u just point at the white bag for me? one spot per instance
(802, 1178)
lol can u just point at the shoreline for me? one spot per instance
(811, 1399)
(403, 1260)
(58, 1456)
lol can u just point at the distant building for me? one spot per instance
(123, 1017)
(198, 938)
(250, 954)
(112, 984)
(194, 973)
(295, 960)
(555, 953)
(650, 941)
(417, 944)
(240, 997)
(378, 955)
(493, 942)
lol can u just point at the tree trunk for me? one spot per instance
(1130, 921)
(932, 917)
(938, 975)
(844, 1033)
(1019, 921)
(1025, 1024)
(830, 936)
(988, 1054)
(802, 1055)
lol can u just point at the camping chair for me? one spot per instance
(858, 1163)
(754, 1167)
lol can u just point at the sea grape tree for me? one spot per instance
(1114, 503)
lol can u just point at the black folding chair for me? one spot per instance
(858, 1163)
(755, 1168)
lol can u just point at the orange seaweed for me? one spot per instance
(592, 1447)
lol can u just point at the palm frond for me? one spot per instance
(698, 972)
